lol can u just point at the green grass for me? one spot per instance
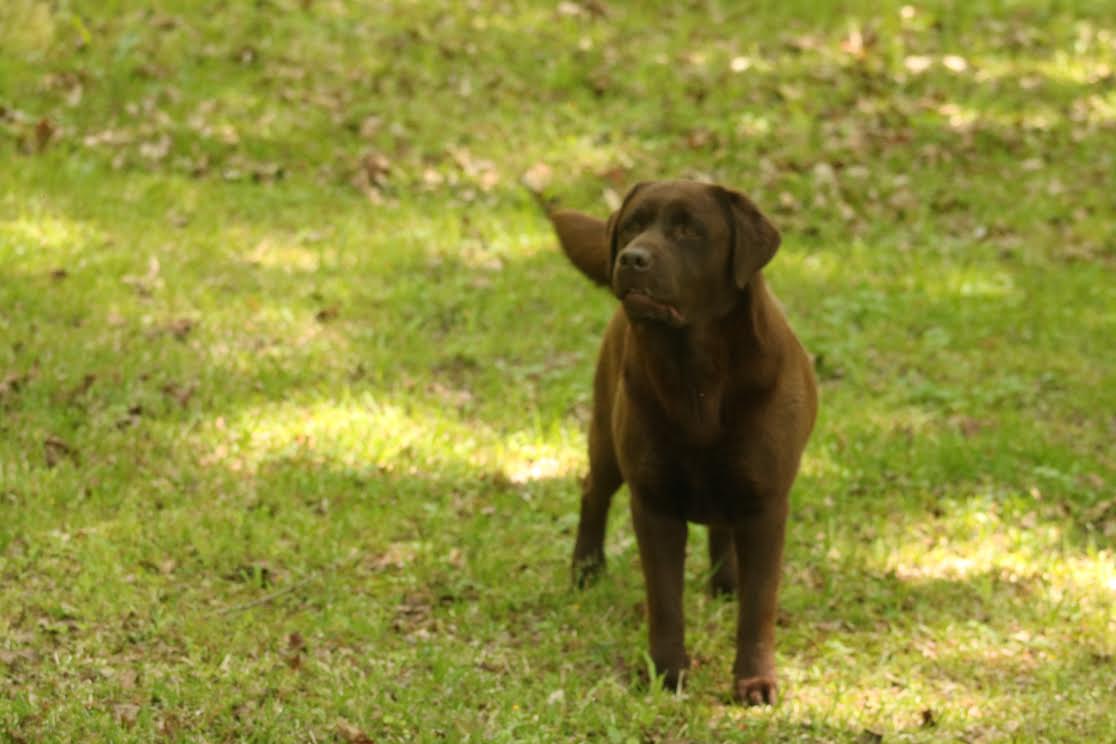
(293, 379)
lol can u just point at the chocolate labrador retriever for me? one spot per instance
(703, 401)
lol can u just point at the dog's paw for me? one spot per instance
(755, 690)
(672, 674)
(586, 571)
(722, 587)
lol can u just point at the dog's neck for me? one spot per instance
(691, 372)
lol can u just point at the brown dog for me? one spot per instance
(702, 402)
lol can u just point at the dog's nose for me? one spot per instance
(635, 258)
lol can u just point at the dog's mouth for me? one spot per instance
(639, 305)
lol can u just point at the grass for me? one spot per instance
(293, 380)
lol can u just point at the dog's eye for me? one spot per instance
(628, 231)
(686, 230)
(631, 226)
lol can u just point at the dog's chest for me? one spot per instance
(707, 486)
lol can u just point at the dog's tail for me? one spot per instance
(584, 240)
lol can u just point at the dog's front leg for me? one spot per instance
(662, 554)
(759, 551)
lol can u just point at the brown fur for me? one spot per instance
(703, 401)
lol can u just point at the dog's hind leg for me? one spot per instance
(722, 562)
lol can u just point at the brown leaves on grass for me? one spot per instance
(148, 283)
(371, 175)
(180, 393)
(589, 8)
(326, 314)
(296, 650)
(56, 450)
(11, 383)
(180, 328)
(45, 130)
(538, 177)
(352, 734)
(126, 713)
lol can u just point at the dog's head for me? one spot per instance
(680, 252)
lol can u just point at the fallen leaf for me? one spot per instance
(246, 55)
(11, 658)
(297, 647)
(370, 126)
(132, 418)
(180, 328)
(917, 64)
(740, 64)
(857, 42)
(351, 733)
(148, 283)
(45, 130)
(126, 713)
(156, 150)
(970, 427)
(127, 679)
(180, 393)
(56, 450)
(537, 177)
(376, 166)
(11, 383)
(954, 63)
(397, 555)
(700, 138)
(82, 387)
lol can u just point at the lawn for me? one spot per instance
(294, 379)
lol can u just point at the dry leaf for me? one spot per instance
(12, 382)
(370, 126)
(537, 177)
(351, 733)
(954, 63)
(55, 450)
(180, 328)
(126, 713)
(82, 387)
(45, 130)
(127, 679)
(180, 393)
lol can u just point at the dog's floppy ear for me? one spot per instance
(589, 242)
(754, 238)
(585, 242)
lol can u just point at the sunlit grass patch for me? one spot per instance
(368, 433)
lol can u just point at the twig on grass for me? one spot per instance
(267, 597)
